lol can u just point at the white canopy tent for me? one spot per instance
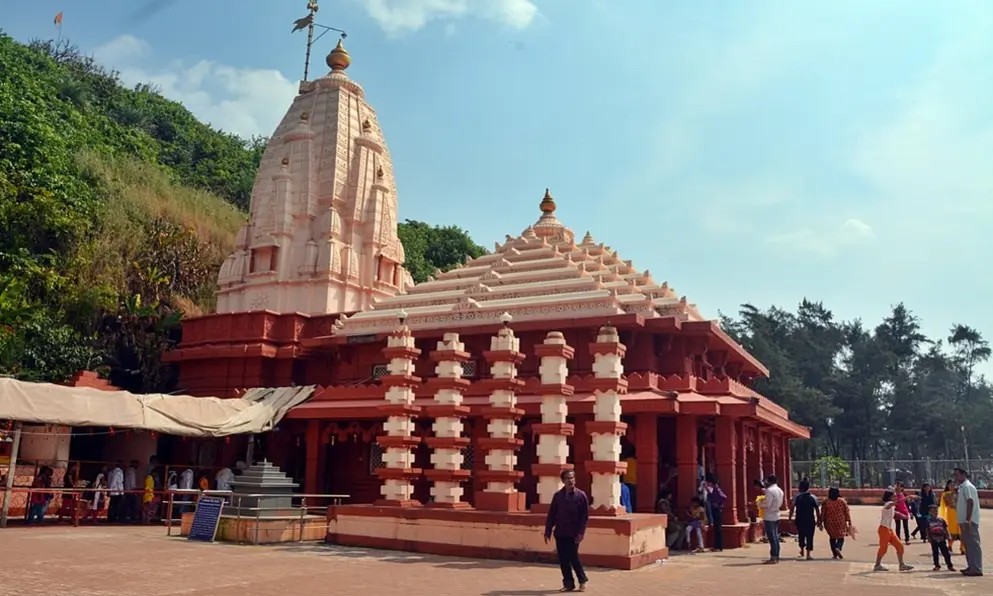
(259, 410)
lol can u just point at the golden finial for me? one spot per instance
(338, 60)
(547, 203)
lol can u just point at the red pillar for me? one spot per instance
(785, 466)
(312, 442)
(686, 460)
(741, 495)
(755, 469)
(769, 461)
(582, 452)
(647, 453)
(726, 440)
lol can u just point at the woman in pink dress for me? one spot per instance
(901, 512)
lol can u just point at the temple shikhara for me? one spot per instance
(446, 410)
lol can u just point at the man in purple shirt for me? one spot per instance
(567, 517)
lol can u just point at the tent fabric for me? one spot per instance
(257, 411)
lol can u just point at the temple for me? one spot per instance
(461, 399)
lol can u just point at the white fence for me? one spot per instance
(881, 474)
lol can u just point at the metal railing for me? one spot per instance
(306, 511)
(882, 474)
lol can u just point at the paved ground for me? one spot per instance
(117, 561)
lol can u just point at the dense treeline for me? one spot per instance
(882, 393)
(117, 207)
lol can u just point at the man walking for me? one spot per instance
(773, 502)
(567, 517)
(968, 518)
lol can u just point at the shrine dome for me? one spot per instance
(540, 275)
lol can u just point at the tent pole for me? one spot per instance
(11, 472)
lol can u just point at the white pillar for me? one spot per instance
(553, 432)
(606, 428)
(501, 446)
(399, 470)
(448, 411)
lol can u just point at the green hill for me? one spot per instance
(117, 208)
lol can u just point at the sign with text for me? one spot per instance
(206, 518)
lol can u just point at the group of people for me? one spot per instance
(941, 520)
(116, 489)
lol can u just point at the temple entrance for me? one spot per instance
(348, 471)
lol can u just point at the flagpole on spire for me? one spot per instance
(308, 23)
(313, 8)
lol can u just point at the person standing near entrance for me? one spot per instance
(717, 499)
(566, 521)
(630, 478)
(968, 518)
(115, 488)
(772, 503)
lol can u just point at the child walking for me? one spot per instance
(698, 517)
(939, 536)
(886, 536)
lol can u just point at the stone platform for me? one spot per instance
(271, 530)
(626, 542)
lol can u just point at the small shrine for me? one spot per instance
(262, 479)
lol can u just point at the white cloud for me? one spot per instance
(403, 16)
(825, 241)
(243, 101)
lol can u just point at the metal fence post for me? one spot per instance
(857, 470)
(892, 472)
(824, 475)
(303, 514)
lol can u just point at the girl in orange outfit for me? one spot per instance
(886, 536)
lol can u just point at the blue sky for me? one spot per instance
(745, 151)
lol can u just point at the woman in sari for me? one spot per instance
(948, 511)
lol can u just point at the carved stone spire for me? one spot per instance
(316, 242)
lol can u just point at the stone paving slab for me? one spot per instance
(124, 561)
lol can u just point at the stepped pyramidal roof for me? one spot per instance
(541, 275)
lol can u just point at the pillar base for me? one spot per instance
(540, 508)
(515, 502)
(458, 505)
(395, 503)
(603, 511)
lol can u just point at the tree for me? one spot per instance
(430, 248)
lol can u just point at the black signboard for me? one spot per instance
(206, 518)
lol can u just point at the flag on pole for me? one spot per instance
(58, 18)
(298, 24)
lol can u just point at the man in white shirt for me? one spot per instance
(115, 487)
(224, 478)
(132, 500)
(774, 498)
(968, 518)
